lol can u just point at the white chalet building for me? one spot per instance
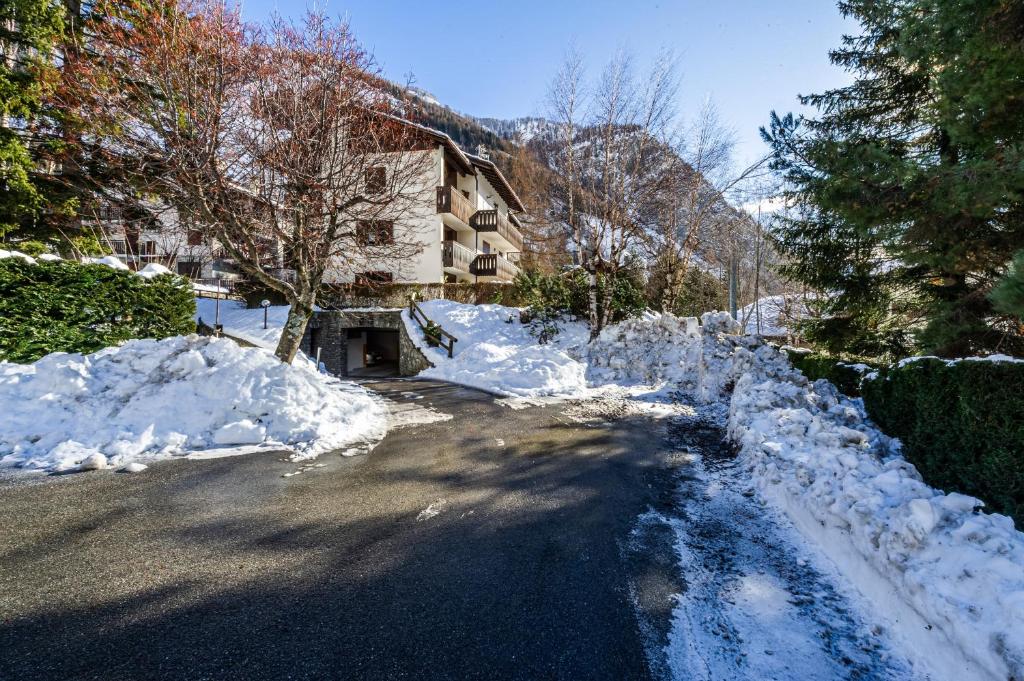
(467, 226)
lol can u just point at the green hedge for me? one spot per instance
(962, 425)
(841, 374)
(64, 306)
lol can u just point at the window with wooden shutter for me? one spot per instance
(373, 278)
(376, 180)
(375, 232)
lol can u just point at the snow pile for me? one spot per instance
(496, 353)
(148, 400)
(813, 452)
(243, 323)
(647, 350)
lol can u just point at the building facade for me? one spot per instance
(463, 221)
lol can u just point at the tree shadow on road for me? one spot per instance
(520, 573)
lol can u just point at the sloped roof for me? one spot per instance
(498, 181)
(470, 163)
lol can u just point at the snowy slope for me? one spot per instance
(148, 400)
(243, 323)
(500, 356)
(774, 315)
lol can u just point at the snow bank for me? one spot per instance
(813, 452)
(648, 350)
(148, 400)
(153, 269)
(496, 353)
(951, 579)
(243, 323)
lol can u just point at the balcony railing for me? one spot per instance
(451, 200)
(456, 256)
(493, 265)
(493, 221)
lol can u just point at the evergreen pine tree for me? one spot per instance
(28, 30)
(910, 180)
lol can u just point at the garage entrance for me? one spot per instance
(368, 343)
(372, 352)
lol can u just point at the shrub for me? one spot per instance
(961, 424)
(65, 306)
(552, 295)
(843, 375)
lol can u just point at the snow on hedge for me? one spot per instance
(951, 576)
(496, 353)
(148, 400)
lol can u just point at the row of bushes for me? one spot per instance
(845, 376)
(65, 306)
(961, 423)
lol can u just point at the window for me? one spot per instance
(376, 180)
(119, 247)
(485, 247)
(189, 268)
(375, 232)
(195, 237)
(373, 278)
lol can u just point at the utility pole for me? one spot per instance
(733, 284)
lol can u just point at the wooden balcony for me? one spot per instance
(493, 265)
(493, 221)
(451, 201)
(455, 256)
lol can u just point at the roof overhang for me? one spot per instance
(498, 181)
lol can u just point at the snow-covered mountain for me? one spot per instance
(520, 130)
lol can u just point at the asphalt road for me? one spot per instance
(495, 545)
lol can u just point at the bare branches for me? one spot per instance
(281, 142)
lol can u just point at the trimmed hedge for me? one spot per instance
(65, 306)
(961, 424)
(842, 375)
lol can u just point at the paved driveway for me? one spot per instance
(494, 545)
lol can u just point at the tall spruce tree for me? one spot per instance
(909, 181)
(28, 31)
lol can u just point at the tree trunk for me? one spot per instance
(294, 329)
(595, 320)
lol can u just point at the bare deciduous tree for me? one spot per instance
(610, 157)
(281, 142)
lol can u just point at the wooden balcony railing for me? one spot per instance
(451, 200)
(456, 256)
(493, 265)
(493, 221)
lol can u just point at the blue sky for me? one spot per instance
(497, 58)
